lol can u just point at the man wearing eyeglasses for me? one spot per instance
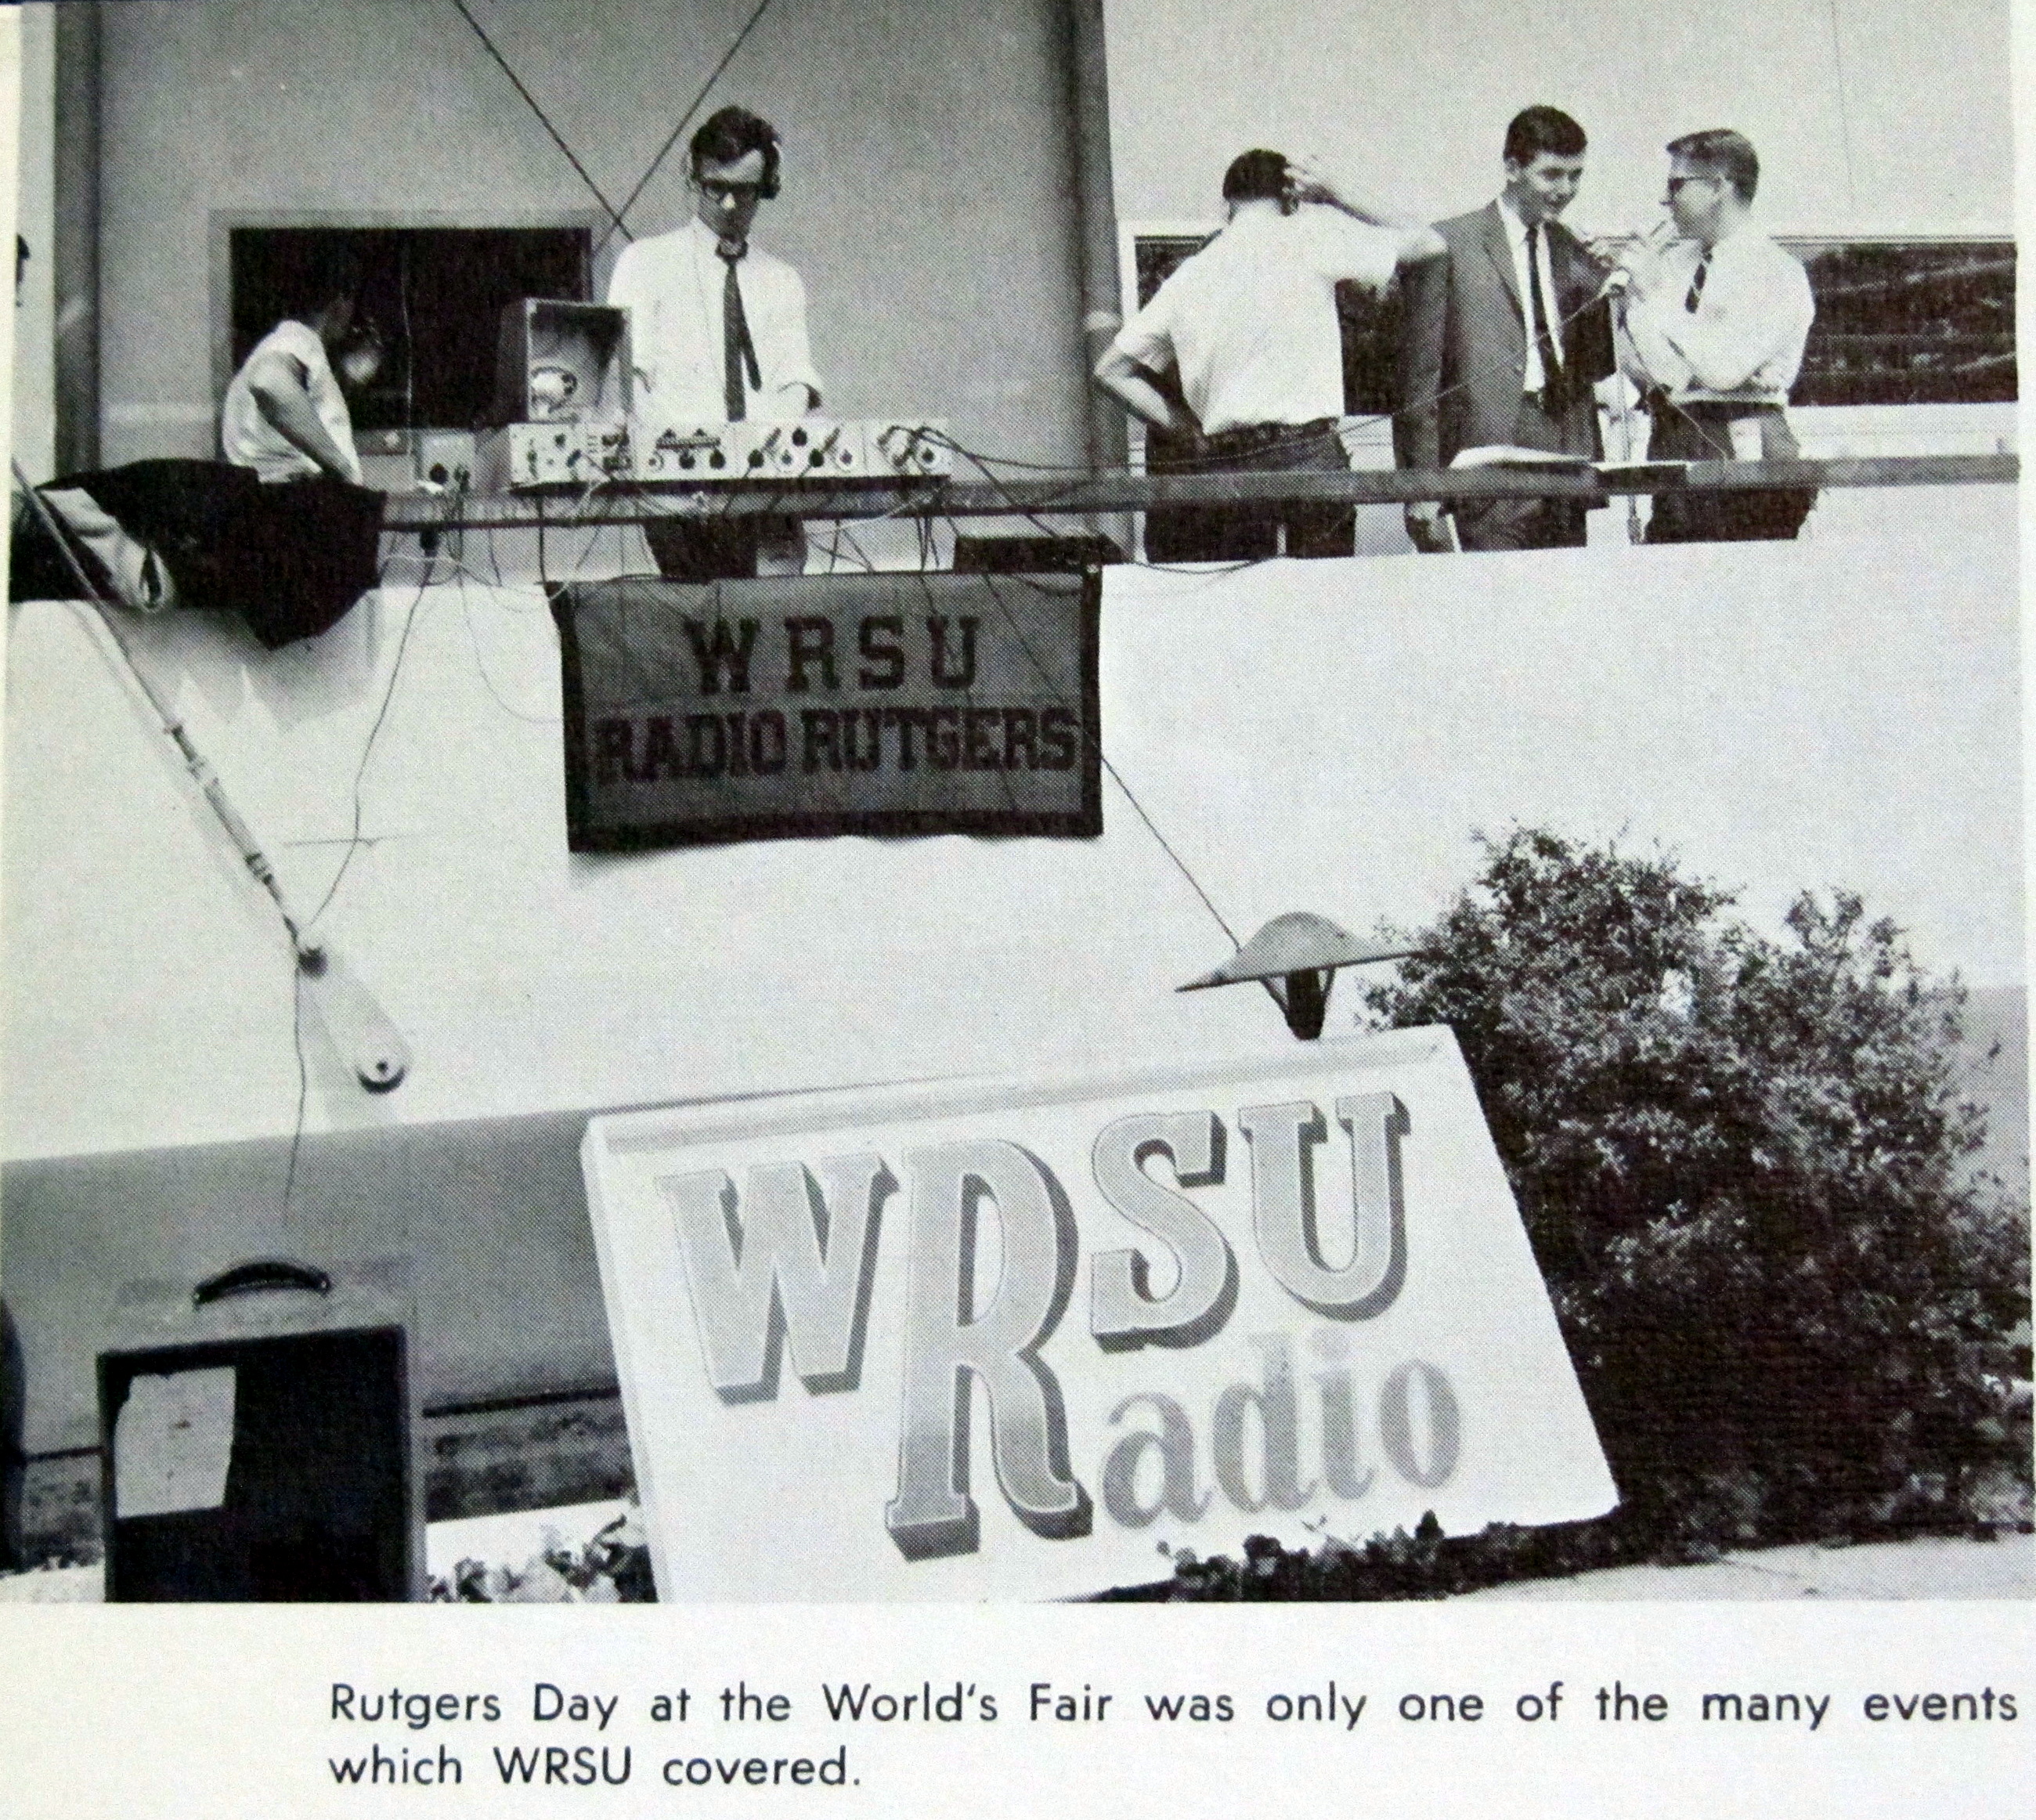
(718, 329)
(1714, 330)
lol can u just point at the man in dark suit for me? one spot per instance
(1504, 342)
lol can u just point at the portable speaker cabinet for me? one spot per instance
(560, 362)
(256, 1439)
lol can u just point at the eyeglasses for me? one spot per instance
(716, 191)
(1675, 183)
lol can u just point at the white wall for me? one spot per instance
(34, 413)
(1415, 100)
(1320, 735)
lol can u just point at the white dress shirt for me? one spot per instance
(252, 441)
(672, 286)
(1250, 322)
(1742, 344)
(1526, 281)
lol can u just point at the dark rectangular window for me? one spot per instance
(434, 294)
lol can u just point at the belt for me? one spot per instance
(1262, 435)
(1657, 401)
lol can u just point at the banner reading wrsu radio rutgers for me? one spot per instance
(1007, 1339)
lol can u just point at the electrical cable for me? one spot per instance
(1628, 408)
(1030, 514)
(1844, 111)
(842, 534)
(544, 119)
(481, 665)
(1104, 759)
(1721, 450)
(355, 839)
(303, 1087)
(461, 573)
(451, 563)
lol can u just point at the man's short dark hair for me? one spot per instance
(734, 133)
(1534, 130)
(1724, 153)
(1256, 176)
(315, 273)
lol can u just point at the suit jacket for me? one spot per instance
(1463, 349)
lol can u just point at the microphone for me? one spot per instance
(1619, 281)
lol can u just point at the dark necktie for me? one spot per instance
(1552, 364)
(738, 352)
(1697, 277)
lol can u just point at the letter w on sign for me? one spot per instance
(788, 1263)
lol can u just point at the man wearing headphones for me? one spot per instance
(718, 331)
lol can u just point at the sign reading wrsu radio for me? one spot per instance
(1007, 1339)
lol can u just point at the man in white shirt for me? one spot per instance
(1247, 331)
(1714, 329)
(718, 331)
(285, 414)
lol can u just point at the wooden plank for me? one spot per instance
(635, 503)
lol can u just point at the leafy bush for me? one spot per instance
(1744, 1165)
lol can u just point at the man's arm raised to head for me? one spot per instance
(1418, 243)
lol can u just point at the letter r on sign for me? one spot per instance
(947, 1340)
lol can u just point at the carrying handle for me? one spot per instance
(260, 1274)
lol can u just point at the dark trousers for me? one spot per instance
(1250, 534)
(1702, 432)
(702, 549)
(1525, 524)
(719, 549)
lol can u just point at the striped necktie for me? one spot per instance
(1696, 294)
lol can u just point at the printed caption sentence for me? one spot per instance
(545, 1735)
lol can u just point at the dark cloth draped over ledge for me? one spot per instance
(289, 560)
